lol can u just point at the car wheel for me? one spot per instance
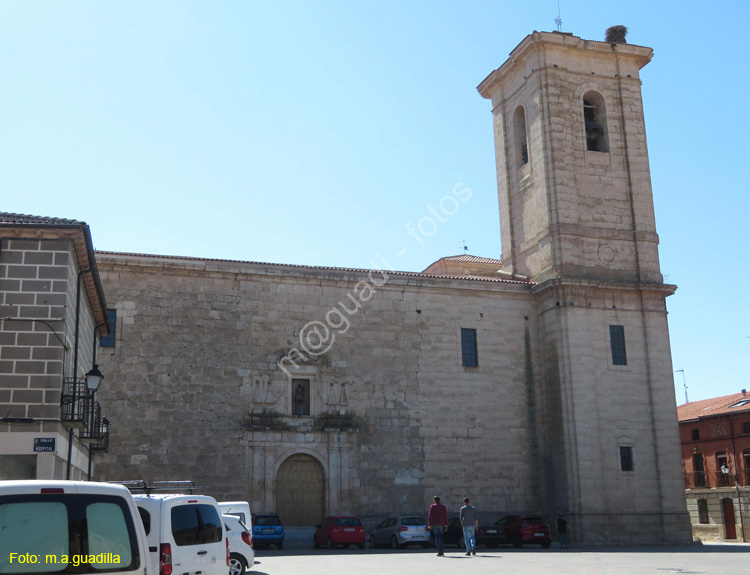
(394, 543)
(330, 544)
(517, 542)
(237, 564)
(546, 544)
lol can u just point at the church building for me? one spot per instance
(539, 382)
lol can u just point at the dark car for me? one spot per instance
(454, 534)
(268, 530)
(339, 530)
(520, 530)
(484, 535)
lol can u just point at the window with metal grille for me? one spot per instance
(703, 511)
(109, 340)
(626, 458)
(469, 347)
(617, 343)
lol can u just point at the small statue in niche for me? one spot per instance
(299, 400)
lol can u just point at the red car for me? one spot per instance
(520, 530)
(339, 530)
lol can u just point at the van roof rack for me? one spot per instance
(140, 486)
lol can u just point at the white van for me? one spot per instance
(70, 527)
(240, 509)
(185, 534)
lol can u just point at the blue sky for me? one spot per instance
(315, 132)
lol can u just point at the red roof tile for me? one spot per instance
(714, 406)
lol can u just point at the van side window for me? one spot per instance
(195, 525)
(145, 519)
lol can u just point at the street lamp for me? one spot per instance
(94, 378)
(726, 471)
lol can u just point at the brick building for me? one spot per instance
(715, 438)
(52, 311)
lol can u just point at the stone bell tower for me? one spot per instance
(577, 218)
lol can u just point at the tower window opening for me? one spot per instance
(519, 136)
(617, 345)
(595, 123)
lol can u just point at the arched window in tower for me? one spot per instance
(519, 136)
(595, 121)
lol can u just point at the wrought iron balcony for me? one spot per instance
(73, 403)
(724, 479)
(696, 479)
(92, 431)
(102, 443)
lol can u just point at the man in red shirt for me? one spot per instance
(437, 522)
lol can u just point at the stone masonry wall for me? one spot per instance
(194, 373)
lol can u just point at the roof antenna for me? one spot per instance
(682, 371)
(558, 20)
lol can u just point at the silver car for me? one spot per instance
(400, 531)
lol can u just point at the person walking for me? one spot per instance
(470, 522)
(562, 529)
(437, 523)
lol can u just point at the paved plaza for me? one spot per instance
(697, 559)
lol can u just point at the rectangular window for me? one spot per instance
(626, 458)
(699, 474)
(469, 347)
(300, 397)
(696, 434)
(109, 340)
(617, 341)
(703, 511)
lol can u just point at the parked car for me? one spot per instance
(268, 530)
(241, 553)
(522, 530)
(240, 509)
(454, 535)
(185, 532)
(61, 521)
(400, 531)
(339, 530)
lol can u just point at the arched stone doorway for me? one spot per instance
(300, 491)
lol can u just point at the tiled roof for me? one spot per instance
(472, 259)
(714, 406)
(314, 268)
(24, 219)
